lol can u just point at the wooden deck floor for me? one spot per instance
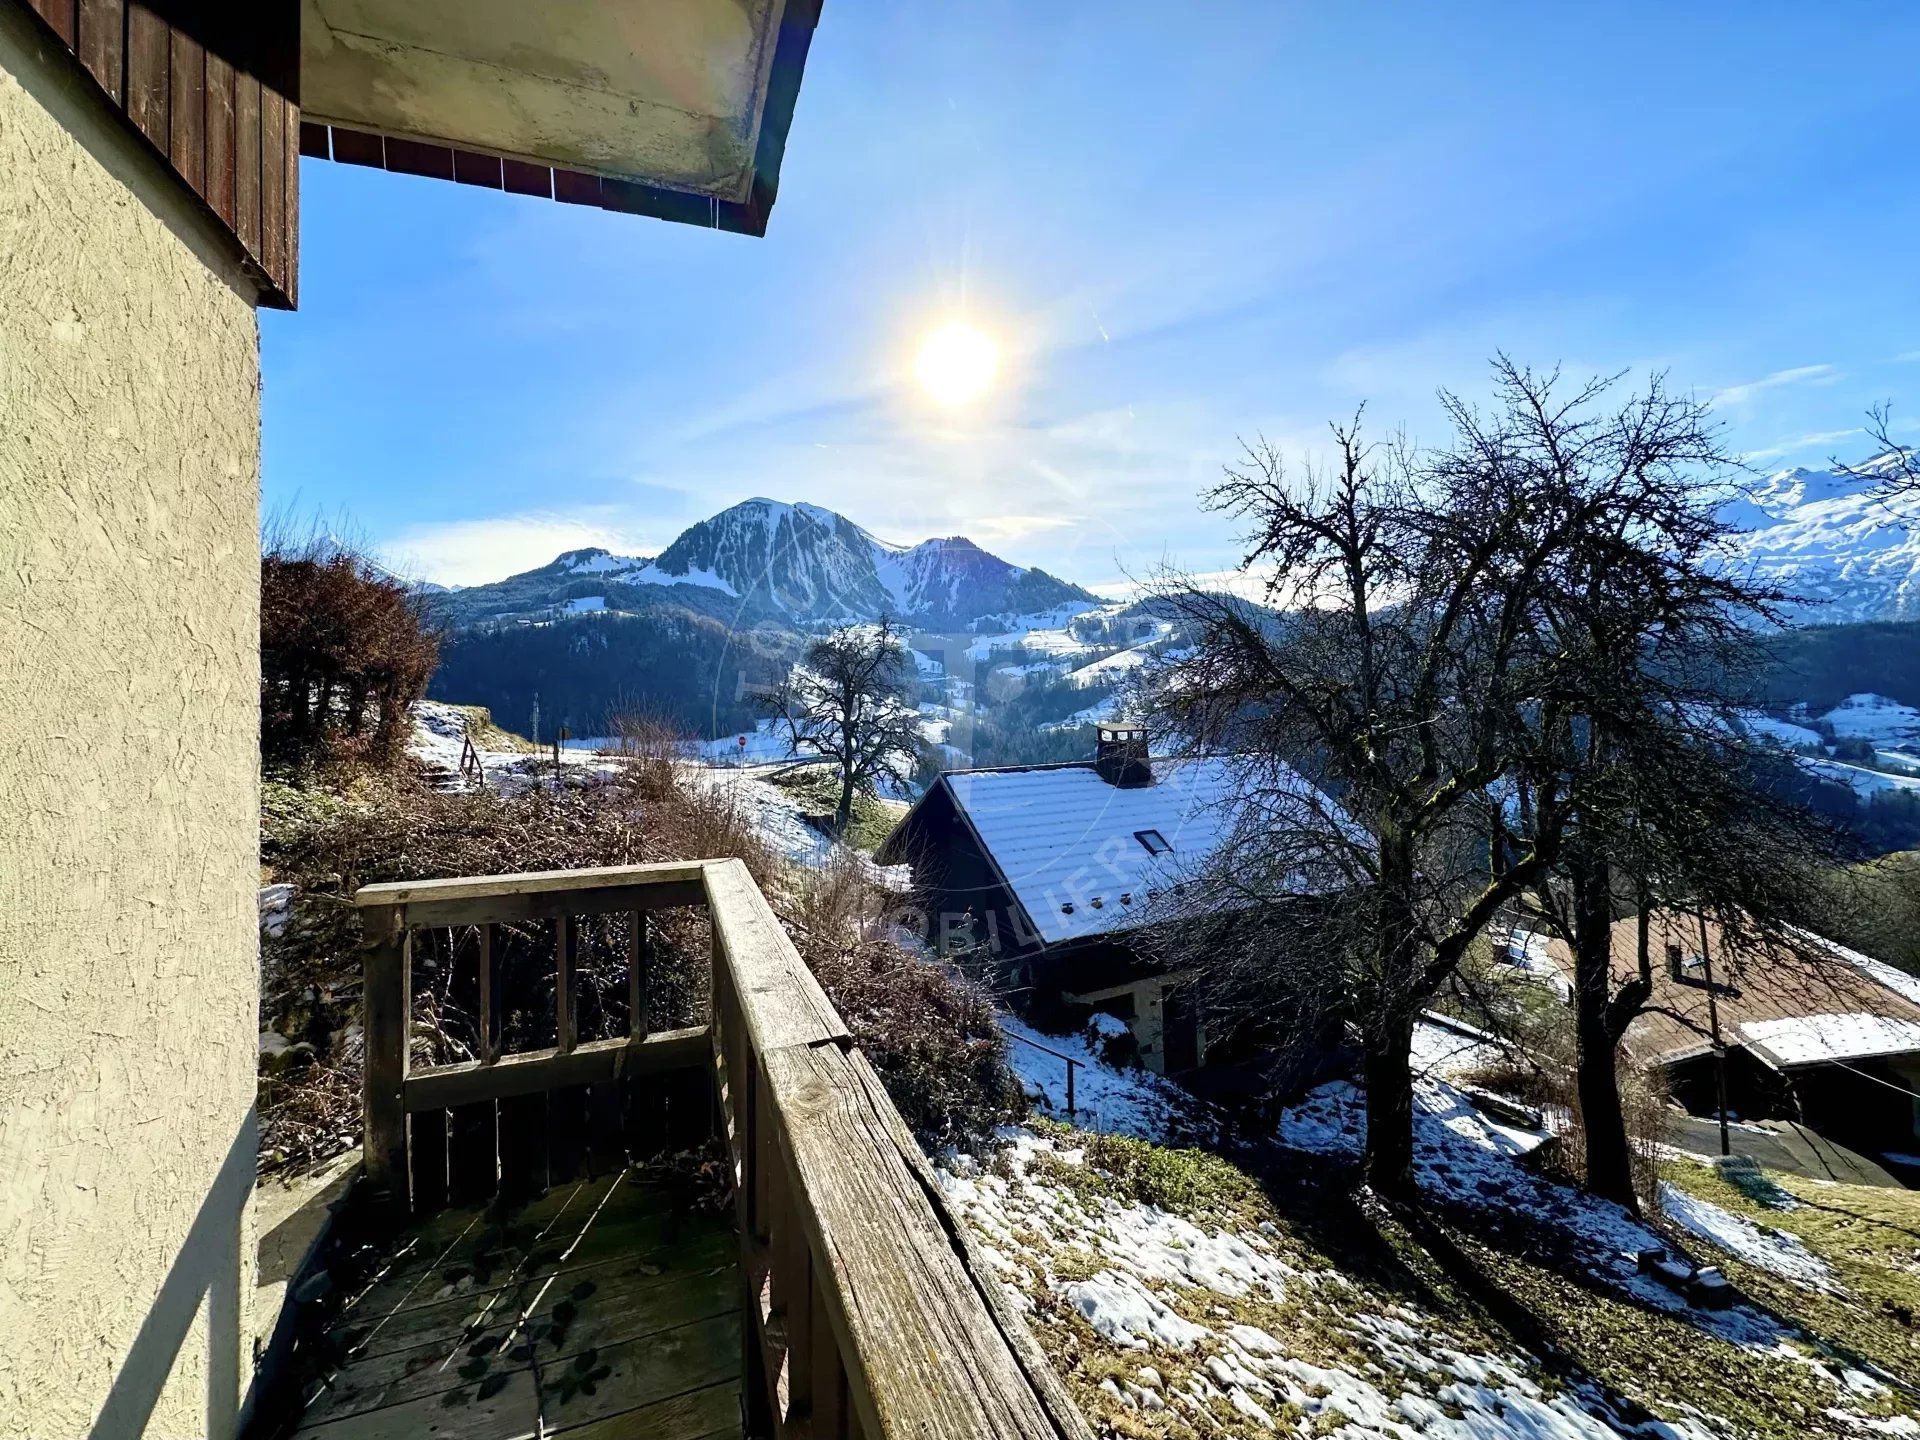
(601, 1311)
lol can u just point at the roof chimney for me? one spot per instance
(1120, 756)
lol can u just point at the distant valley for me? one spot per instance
(1015, 662)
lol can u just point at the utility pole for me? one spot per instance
(1713, 1031)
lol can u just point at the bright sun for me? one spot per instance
(957, 363)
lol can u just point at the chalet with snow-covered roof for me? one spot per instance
(1054, 872)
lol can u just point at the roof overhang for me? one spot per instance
(673, 108)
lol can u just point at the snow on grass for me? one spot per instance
(1783, 732)
(1444, 1047)
(1094, 714)
(1772, 1250)
(1107, 1098)
(1467, 1160)
(1874, 717)
(774, 813)
(1204, 1325)
(438, 738)
(1109, 669)
(767, 743)
(1860, 779)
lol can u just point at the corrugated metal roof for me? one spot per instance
(1068, 843)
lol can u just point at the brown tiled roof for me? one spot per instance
(1754, 983)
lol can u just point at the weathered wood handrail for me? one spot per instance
(868, 1314)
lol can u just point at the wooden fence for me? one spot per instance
(869, 1315)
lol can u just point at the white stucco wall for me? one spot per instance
(129, 461)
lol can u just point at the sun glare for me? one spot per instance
(957, 363)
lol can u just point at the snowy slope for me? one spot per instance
(1845, 553)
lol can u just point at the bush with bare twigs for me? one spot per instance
(345, 651)
(929, 1035)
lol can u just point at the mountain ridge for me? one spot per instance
(1844, 552)
(790, 562)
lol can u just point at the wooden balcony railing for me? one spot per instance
(868, 1314)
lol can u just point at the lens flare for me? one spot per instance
(957, 363)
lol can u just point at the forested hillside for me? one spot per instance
(1821, 665)
(685, 669)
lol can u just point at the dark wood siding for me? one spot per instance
(953, 879)
(214, 87)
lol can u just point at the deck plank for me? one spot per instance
(490, 1248)
(511, 1401)
(709, 1414)
(605, 1310)
(470, 1313)
(590, 1310)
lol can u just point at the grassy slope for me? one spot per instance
(873, 818)
(1869, 1237)
(489, 736)
(1484, 1292)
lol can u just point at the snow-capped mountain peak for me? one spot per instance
(796, 562)
(1833, 541)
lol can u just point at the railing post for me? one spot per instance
(639, 963)
(563, 1018)
(384, 1003)
(489, 1048)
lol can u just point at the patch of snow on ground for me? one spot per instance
(1874, 717)
(1106, 1098)
(1464, 1158)
(1094, 714)
(767, 742)
(1859, 778)
(276, 909)
(1447, 1048)
(1793, 737)
(439, 734)
(1772, 1250)
(1468, 1160)
(1148, 1283)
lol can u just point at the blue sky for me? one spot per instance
(1186, 224)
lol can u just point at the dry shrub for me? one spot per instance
(345, 651)
(1551, 1086)
(930, 1033)
(650, 746)
(930, 1036)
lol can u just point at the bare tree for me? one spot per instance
(1894, 470)
(850, 700)
(1651, 636)
(1480, 662)
(1390, 683)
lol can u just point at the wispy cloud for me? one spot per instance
(1797, 375)
(1800, 443)
(472, 552)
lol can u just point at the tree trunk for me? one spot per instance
(843, 812)
(1596, 1073)
(1387, 1026)
(1388, 1070)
